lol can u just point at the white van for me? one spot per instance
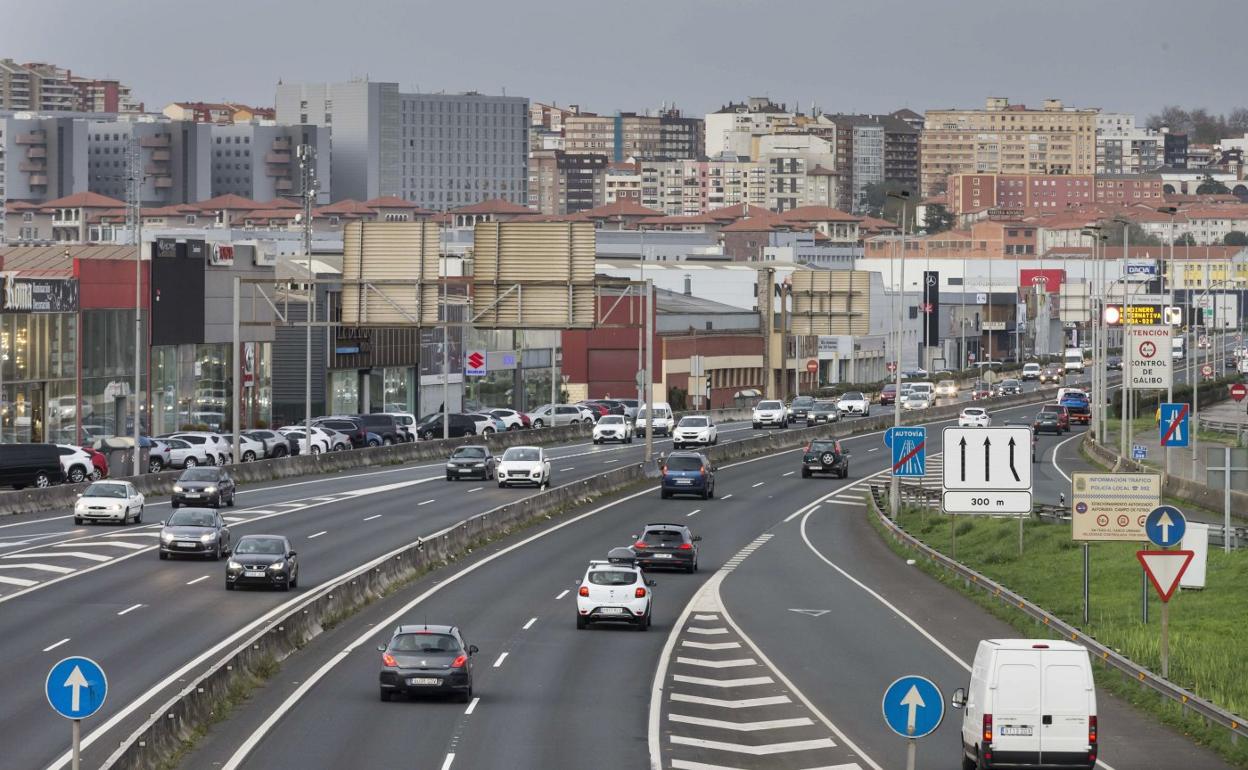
(1030, 703)
(663, 422)
(1072, 360)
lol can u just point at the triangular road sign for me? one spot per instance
(1164, 569)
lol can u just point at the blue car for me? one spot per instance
(688, 473)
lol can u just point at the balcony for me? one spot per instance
(277, 172)
(282, 185)
(35, 151)
(37, 166)
(277, 157)
(160, 140)
(156, 169)
(32, 137)
(282, 143)
(163, 182)
(160, 155)
(38, 180)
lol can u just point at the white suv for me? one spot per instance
(614, 591)
(974, 417)
(695, 430)
(76, 463)
(770, 413)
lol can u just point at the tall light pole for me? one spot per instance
(1169, 272)
(1094, 232)
(1237, 282)
(899, 271)
(1127, 413)
(307, 170)
(136, 213)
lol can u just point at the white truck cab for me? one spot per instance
(1072, 360)
(1030, 703)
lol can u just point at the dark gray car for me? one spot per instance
(426, 660)
(194, 532)
(470, 461)
(268, 561)
(210, 486)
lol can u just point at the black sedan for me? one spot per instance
(426, 660)
(195, 532)
(670, 546)
(825, 456)
(269, 561)
(823, 412)
(470, 461)
(207, 486)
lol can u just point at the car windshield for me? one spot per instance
(613, 419)
(824, 406)
(694, 422)
(1010, 383)
(663, 537)
(803, 401)
(261, 545)
(106, 490)
(947, 383)
(474, 452)
(890, 388)
(853, 395)
(768, 405)
(683, 463)
(198, 474)
(522, 454)
(190, 517)
(424, 642)
(610, 577)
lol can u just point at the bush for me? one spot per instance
(1209, 392)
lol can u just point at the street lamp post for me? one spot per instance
(1171, 210)
(899, 272)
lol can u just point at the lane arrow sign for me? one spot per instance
(1165, 523)
(77, 681)
(812, 613)
(913, 701)
(1012, 468)
(962, 444)
(987, 459)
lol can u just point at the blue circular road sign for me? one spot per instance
(1165, 526)
(913, 706)
(76, 687)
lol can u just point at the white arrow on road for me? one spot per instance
(913, 701)
(812, 613)
(77, 681)
(1165, 522)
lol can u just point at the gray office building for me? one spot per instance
(261, 162)
(174, 156)
(439, 151)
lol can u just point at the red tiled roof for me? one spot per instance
(729, 213)
(621, 208)
(20, 205)
(84, 200)
(759, 220)
(494, 206)
(394, 202)
(874, 224)
(679, 220)
(176, 210)
(271, 214)
(818, 214)
(229, 202)
(99, 215)
(821, 171)
(281, 203)
(344, 207)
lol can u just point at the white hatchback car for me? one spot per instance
(916, 400)
(770, 413)
(614, 591)
(524, 465)
(974, 417)
(76, 463)
(613, 427)
(695, 430)
(115, 501)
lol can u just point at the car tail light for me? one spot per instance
(459, 662)
(686, 547)
(584, 591)
(639, 544)
(640, 593)
(1092, 734)
(388, 660)
(987, 729)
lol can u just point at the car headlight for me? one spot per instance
(210, 490)
(478, 465)
(208, 538)
(450, 465)
(166, 537)
(177, 487)
(277, 565)
(231, 564)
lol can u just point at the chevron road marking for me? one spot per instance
(744, 703)
(74, 554)
(741, 727)
(681, 764)
(744, 682)
(118, 544)
(737, 663)
(704, 631)
(40, 567)
(710, 645)
(764, 750)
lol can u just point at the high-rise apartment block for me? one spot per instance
(690, 187)
(735, 127)
(42, 158)
(437, 150)
(667, 136)
(564, 183)
(261, 162)
(39, 87)
(1007, 139)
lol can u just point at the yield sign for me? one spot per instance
(1164, 569)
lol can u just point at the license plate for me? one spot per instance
(1023, 730)
(611, 611)
(253, 573)
(684, 481)
(188, 545)
(191, 494)
(416, 681)
(465, 470)
(662, 556)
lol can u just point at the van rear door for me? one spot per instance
(1067, 700)
(1016, 707)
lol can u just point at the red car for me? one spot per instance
(598, 409)
(980, 390)
(99, 462)
(888, 394)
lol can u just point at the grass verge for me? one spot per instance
(1206, 627)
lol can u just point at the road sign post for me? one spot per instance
(913, 708)
(1165, 569)
(909, 445)
(1174, 427)
(76, 688)
(987, 470)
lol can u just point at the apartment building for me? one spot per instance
(667, 136)
(1130, 189)
(1027, 193)
(261, 162)
(871, 149)
(564, 183)
(734, 127)
(438, 150)
(39, 87)
(217, 112)
(173, 158)
(42, 158)
(789, 160)
(1006, 138)
(622, 182)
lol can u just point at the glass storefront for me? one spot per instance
(194, 385)
(382, 389)
(108, 374)
(38, 395)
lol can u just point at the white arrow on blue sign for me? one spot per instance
(76, 687)
(1165, 526)
(913, 706)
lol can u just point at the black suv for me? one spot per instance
(825, 456)
(383, 425)
(460, 425)
(666, 545)
(203, 487)
(352, 427)
(30, 465)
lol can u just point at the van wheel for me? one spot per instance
(43, 480)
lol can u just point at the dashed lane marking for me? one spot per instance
(472, 707)
(198, 580)
(562, 594)
(529, 625)
(129, 609)
(374, 516)
(694, 512)
(318, 534)
(498, 663)
(52, 647)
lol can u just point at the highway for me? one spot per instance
(548, 695)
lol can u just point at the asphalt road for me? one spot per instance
(567, 698)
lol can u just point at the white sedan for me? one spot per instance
(916, 400)
(854, 402)
(319, 443)
(974, 417)
(524, 465)
(613, 427)
(695, 430)
(115, 501)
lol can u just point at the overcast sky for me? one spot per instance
(843, 55)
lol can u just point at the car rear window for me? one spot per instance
(611, 577)
(683, 463)
(693, 422)
(973, 412)
(768, 405)
(823, 446)
(424, 643)
(469, 451)
(663, 538)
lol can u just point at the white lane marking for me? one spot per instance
(258, 511)
(707, 631)
(426, 502)
(40, 568)
(498, 663)
(741, 727)
(608, 462)
(562, 594)
(725, 497)
(796, 513)
(710, 645)
(476, 489)
(684, 764)
(744, 703)
(694, 511)
(446, 763)
(231, 519)
(766, 749)
(197, 580)
(706, 617)
(1060, 444)
(759, 484)
(127, 546)
(529, 625)
(22, 582)
(57, 554)
(874, 449)
(131, 608)
(790, 473)
(472, 706)
(374, 516)
(747, 681)
(564, 470)
(139, 534)
(736, 663)
(318, 534)
(848, 499)
(848, 502)
(51, 647)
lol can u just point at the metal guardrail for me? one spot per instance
(1186, 699)
(1223, 426)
